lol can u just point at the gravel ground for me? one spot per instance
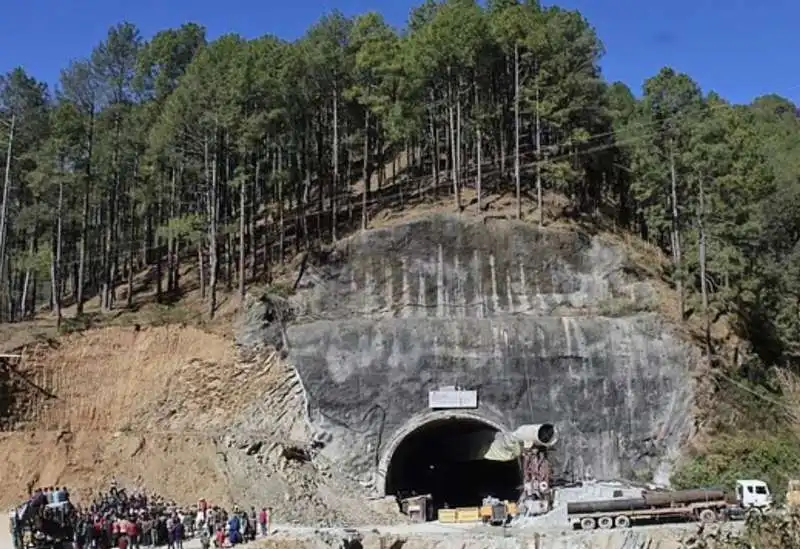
(442, 536)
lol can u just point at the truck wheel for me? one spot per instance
(752, 513)
(622, 522)
(708, 516)
(606, 523)
(588, 523)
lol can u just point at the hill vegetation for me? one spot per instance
(236, 154)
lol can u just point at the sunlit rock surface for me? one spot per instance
(545, 325)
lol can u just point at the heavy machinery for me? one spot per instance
(493, 511)
(589, 504)
(622, 505)
(39, 524)
(526, 445)
(704, 505)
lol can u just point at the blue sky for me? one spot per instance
(739, 49)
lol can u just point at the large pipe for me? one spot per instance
(544, 435)
(682, 497)
(488, 443)
(648, 500)
(606, 506)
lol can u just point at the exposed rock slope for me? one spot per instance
(545, 325)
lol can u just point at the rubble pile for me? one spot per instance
(773, 531)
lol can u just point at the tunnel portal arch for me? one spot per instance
(405, 457)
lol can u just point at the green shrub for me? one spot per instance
(748, 455)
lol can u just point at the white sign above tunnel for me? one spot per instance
(452, 398)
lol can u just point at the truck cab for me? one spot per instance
(753, 494)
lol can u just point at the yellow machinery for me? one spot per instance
(496, 515)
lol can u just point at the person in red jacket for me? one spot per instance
(263, 519)
(132, 531)
(220, 537)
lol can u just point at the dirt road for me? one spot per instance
(434, 535)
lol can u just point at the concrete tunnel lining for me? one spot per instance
(410, 446)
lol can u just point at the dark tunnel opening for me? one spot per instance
(442, 458)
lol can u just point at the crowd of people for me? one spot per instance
(116, 519)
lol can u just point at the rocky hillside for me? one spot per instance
(547, 326)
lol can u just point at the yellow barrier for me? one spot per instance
(468, 514)
(447, 515)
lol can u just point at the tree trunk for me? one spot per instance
(84, 243)
(676, 240)
(242, 224)
(702, 261)
(479, 159)
(434, 150)
(201, 269)
(365, 171)
(453, 144)
(458, 157)
(335, 161)
(171, 263)
(108, 250)
(131, 239)
(281, 230)
(213, 260)
(516, 132)
(253, 197)
(23, 300)
(56, 264)
(538, 129)
(6, 194)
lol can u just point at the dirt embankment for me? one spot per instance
(145, 405)
(170, 409)
(148, 406)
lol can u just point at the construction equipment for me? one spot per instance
(493, 511)
(416, 507)
(591, 504)
(496, 512)
(44, 525)
(705, 505)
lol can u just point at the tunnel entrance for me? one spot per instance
(442, 458)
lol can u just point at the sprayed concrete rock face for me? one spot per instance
(545, 326)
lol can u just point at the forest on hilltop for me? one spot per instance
(235, 154)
